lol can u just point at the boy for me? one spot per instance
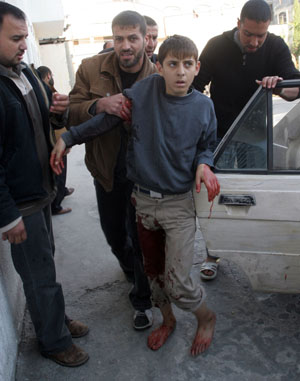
(173, 127)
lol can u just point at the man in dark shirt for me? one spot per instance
(234, 61)
(234, 64)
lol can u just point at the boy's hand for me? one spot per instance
(57, 153)
(126, 110)
(60, 103)
(205, 175)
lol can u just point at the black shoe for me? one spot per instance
(62, 211)
(142, 319)
(69, 191)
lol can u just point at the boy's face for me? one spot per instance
(178, 74)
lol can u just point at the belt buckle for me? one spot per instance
(155, 194)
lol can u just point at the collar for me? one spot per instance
(236, 39)
(14, 72)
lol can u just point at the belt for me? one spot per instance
(148, 192)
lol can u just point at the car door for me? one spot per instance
(255, 220)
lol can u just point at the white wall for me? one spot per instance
(54, 56)
(32, 54)
(12, 303)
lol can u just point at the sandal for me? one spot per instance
(211, 266)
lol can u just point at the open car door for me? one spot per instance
(255, 220)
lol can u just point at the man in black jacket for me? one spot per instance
(27, 189)
(234, 64)
(233, 61)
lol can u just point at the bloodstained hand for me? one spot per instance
(126, 110)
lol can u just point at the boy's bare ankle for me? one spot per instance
(206, 325)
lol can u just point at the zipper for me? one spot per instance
(244, 59)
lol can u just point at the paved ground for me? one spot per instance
(257, 336)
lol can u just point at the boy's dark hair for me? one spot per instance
(150, 21)
(43, 71)
(8, 9)
(179, 47)
(257, 10)
(130, 18)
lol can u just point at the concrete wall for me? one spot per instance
(55, 57)
(12, 303)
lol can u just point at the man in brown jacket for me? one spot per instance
(100, 81)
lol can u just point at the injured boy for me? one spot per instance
(170, 142)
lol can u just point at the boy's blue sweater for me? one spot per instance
(169, 135)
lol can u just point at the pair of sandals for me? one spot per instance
(209, 266)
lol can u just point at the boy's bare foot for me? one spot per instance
(159, 336)
(205, 331)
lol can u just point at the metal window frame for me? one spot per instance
(260, 92)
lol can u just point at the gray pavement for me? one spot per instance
(257, 335)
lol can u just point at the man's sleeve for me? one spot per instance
(80, 98)
(9, 211)
(204, 76)
(207, 141)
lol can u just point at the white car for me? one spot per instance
(255, 220)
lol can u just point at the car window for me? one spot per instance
(286, 134)
(264, 137)
(246, 148)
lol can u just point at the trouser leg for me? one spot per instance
(181, 284)
(140, 294)
(112, 209)
(61, 188)
(33, 260)
(175, 216)
(152, 240)
(117, 218)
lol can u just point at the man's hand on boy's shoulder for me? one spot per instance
(204, 174)
(111, 105)
(126, 110)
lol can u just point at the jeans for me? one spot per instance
(117, 219)
(34, 261)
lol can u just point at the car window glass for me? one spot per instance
(286, 134)
(246, 149)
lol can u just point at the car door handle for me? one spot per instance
(237, 199)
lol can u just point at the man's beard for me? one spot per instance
(129, 64)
